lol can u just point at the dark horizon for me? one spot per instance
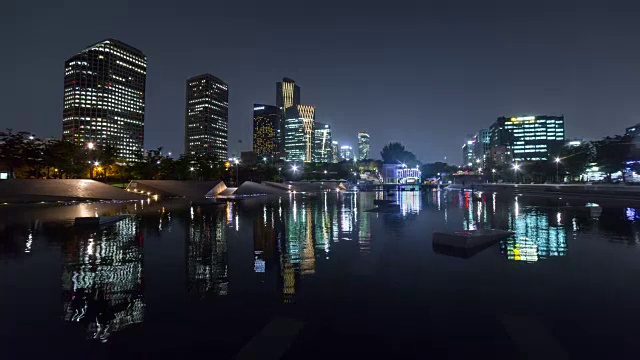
(422, 74)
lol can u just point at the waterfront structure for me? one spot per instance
(104, 98)
(526, 138)
(287, 94)
(206, 116)
(346, 153)
(363, 145)
(335, 152)
(298, 133)
(267, 127)
(321, 142)
(400, 174)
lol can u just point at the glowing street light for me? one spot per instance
(557, 173)
(191, 169)
(96, 163)
(90, 145)
(294, 168)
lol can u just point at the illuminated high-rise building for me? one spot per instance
(287, 94)
(321, 142)
(104, 97)
(526, 138)
(335, 152)
(363, 146)
(206, 116)
(346, 153)
(298, 133)
(267, 124)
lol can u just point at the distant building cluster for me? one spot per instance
(289, 131)
(104, 104)
(515, 139)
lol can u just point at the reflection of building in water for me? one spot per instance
(410, 202)
(102, 280)
(207, 254)
(264, 240)
(536, 236)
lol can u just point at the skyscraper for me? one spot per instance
(335, 152)
(481, 147)
(526, 138)
(104, 97)
(321, 142)
(363, 146)
(298, 133)
(206, 116)
(346, 153)
(267, 124)
(287, 94)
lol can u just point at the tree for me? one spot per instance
(395, 152)
(575, 159)
(431, 170)
(13, 150)
(611, 154)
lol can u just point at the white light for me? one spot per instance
(557, 159)
(258, 108)
(516, 167)
(90, 145)
(191, 169)
(96, 163)
(294, 168)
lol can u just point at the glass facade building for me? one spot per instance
(267, 125)
(287, 94)
(104, 97)
(298, 133)
(322, 143)
(526, 138)
(346, 153)
(335, 152)
(363, 146)
(206, 116)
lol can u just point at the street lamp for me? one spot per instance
(516, 167)
(237, 162)
(90, 145)
(557, 173)
(493, 175)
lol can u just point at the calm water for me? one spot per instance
(176, 280)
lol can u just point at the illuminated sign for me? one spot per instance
(522, 118)
(258, 108)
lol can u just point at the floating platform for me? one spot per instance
(469, 239)
(98, 221)
(381, 202)
(389, 208)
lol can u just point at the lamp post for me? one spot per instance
(493, 175)
(237, 161)
(516, 167)
(557, 173)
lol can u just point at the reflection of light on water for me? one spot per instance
(410, 202)
(632, 214)
(493, 198)
(516, 207)
(535, 238)
(559, 218)
(27, 246)
(191, 212)
(229, 213)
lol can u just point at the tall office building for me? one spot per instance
(467, 151)
(104, 97)
(321, 142)
(335, 152)
(363, 146)
(298, 133)
(346, 153)
(267, 124)
(526, 138)
(287, 94)
(481, 147)
(206, 116)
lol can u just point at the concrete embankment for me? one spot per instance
(583, 191)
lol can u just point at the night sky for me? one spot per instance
(423, 73)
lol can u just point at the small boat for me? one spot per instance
(381, 202)
(469, 239)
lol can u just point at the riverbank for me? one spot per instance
(583, 191)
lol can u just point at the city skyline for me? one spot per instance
(434, 74)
